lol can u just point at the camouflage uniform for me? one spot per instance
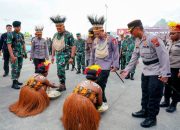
(17, 41)
(130, 49)
(62, 57)
(80, 53)
(123, 54)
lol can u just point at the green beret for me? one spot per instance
(16, 24)
(133, 24)
(78, 34)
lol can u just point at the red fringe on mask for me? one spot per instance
(31, 102)
(79, 113)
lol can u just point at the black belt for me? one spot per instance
(151, 62)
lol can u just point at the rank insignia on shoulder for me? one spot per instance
(155, 42)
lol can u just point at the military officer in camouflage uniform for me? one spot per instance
(130, 49)
(123, 52)
(17, 50)
(80, 53)
(155, 73)
(63, 47)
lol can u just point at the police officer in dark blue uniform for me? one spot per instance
(156, 71)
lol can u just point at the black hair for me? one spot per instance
(41, 70)
(91, 75)
(8, 25)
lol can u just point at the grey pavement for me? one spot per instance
(123, 99)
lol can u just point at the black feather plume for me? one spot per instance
(58, 19)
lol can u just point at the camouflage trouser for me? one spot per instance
(80, 57)
(73, 65)
(123, 61)
(61, 60)
(16, 68)
(128, 58)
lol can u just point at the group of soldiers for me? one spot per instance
(104, 50)
(126, 50)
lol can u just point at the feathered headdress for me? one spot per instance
(39, 28)
(95, 21)
(45, 64)
(174, 27)
(58, 19)
(97, 68)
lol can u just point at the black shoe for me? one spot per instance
(78, 72)
(127, 77)
(5, 74)
(19, 83)
(15, 84)
(149, 122)
(67, 68)
(140, 114)
(72, 69)
(61, 88)
(164, 104)
(171, 108)
(132, 76)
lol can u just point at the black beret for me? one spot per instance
(16, 24)
(133, 24)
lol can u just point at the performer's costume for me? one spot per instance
(33, 98)
(79, 110)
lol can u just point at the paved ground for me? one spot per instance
(123, 99)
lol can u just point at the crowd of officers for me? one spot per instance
(158, 64)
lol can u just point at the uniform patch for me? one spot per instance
(155, 42)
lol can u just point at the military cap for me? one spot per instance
(78, 34)
(16, 24)
(133, 24)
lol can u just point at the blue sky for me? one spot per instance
(119, 13)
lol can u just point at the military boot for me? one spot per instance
(149, 122)
(78, 72)
(132, 76)
(140, 114)
(19, 83)
(72, 68)
(165, 103)
(172, 107)
(15, 84)
(67, 68)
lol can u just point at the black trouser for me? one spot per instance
(6, 58)
(37, 62)
(102, 81)
(172, 89)
(152, 91)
